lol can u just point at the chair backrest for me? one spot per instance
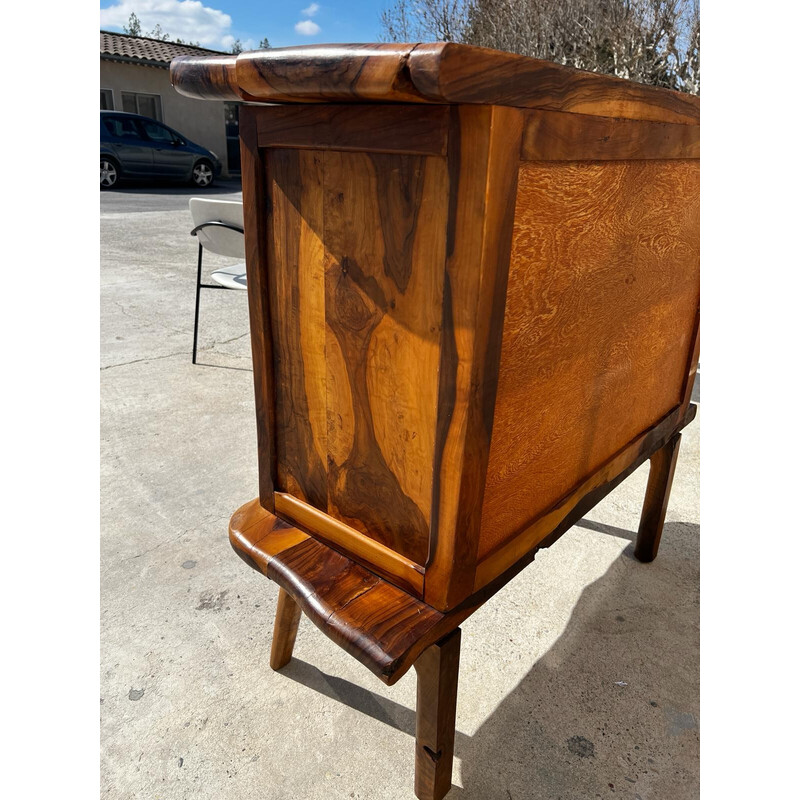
(223, 241)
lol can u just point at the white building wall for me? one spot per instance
(202, 121)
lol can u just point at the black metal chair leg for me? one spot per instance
(197, 301)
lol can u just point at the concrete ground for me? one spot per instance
(578, 680)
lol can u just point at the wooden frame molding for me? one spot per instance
(413, 130)
(377, 557)
(557, 136)
(483, 159)
(257, 246)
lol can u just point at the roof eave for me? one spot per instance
(147, 62)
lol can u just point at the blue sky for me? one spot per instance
(216, 23)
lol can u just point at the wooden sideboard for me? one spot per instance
(473, 283)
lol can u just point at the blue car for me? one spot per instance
(137, 147)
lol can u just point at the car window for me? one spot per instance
(156, 132)
(122, 127)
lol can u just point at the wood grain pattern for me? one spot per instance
(503, 564)
(382, 626)
(385, 238)
(284, 632)
(377, 557)
(559, 136)
(413, 130)
(483, 161)
(356, 269)
(423, 73)
(257, 249)
(459, 73)
(470, 323)
(691, 368)
(654, 510)
(602, 299)
(296, 275)
(568, 510)
(205, 77)
(351, 72)
(437, 691)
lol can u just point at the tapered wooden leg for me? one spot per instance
(659, 484)
(287, 619)
(437, 687)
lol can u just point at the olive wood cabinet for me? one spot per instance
(473, 284)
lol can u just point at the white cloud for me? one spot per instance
(311, 10)
(189, 20)
(307, 28)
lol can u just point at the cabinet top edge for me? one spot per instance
(439, 72)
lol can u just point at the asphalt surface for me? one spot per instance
(131, 197)
(580, 679)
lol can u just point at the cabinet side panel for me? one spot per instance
(297, 304)
(603, 292)
(384, 235)
(356, 272)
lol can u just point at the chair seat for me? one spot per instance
(382, 626)
(232, 277)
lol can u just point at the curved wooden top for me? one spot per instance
(440, 72)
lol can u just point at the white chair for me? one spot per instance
(219, 227)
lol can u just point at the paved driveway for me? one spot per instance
(578, 680)
(164, 197)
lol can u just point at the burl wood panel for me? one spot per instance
(356, 270)
(603, 292)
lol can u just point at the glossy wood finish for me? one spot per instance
(474, 305)
(602, 300)
(381, 559)
(558, 136)
(411, 130)
(483, 161)
(358, 256)
(382, 626)
(349, 72)
(654, 511)
(396, 411)
(206, 77)
(547, 527)
(257, 252)
(287, 620)
(440, 72)
(460, 73)
(437, 690)
(385, 233)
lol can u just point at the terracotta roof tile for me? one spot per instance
(121, 45)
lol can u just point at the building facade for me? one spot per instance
(134, 76)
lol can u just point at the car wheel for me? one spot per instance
(109, 173)
(202, 174)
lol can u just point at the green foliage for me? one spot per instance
(134, 27)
